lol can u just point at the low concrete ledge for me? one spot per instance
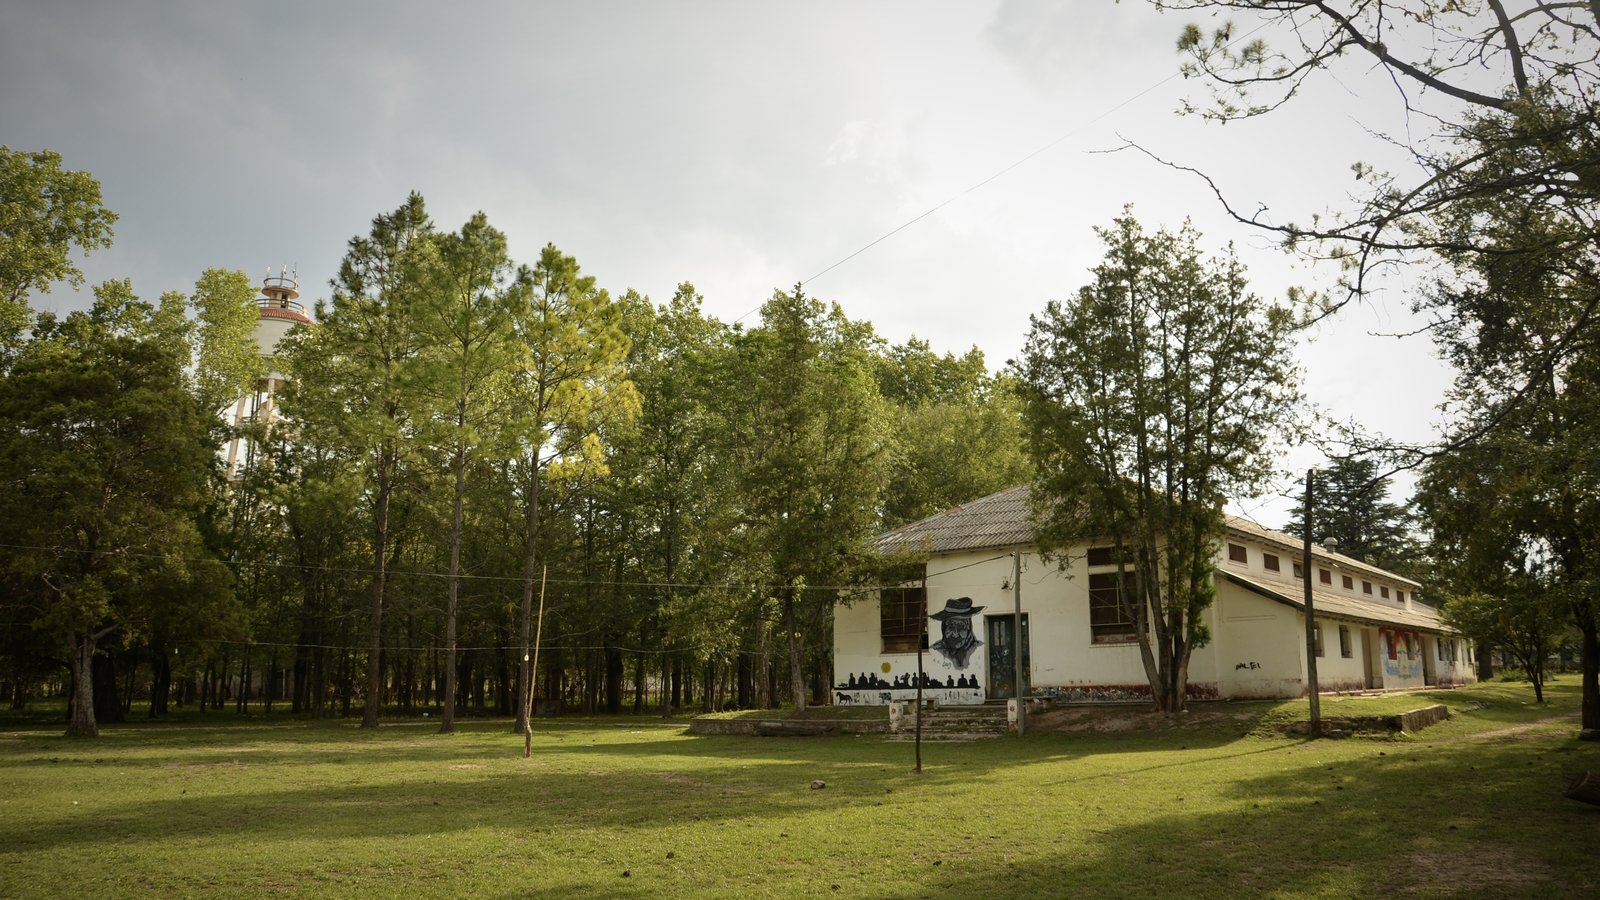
(1418, 719)
(1340, 726)
(786, 727)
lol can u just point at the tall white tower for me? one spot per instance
(280, 310)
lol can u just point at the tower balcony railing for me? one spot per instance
(281, 303)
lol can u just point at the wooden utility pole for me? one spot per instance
(533, 670)
(1311, 620)
(1016, 649)
(922, 644)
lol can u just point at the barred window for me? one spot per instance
(1108, 621)
(900, 618)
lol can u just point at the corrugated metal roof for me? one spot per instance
(998, 520)
(1003, 520)
(1293, 544)
(1340, 606)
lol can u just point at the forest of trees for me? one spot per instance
(462, 434)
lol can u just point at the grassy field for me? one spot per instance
(1217, 804)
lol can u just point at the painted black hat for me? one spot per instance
(961, 606)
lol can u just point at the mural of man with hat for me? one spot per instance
(958, 641)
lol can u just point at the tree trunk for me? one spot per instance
(797, 678)
(272, 680)
(160, 679)
(669, 687)
(346, 683)
(82, 723)
(1590, 659)
(380, 558)
(453, 587)
(508, 689)
(219, 689)
(246, 675)
(530, 572)
(638, 684)
(746, 679)
(613, 661)
(129, 685)
(107, 707)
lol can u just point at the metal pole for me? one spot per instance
(922, 644)
(1016, 595)
(1311, 623)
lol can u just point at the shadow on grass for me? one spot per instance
(1472, 818)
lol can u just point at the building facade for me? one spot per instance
(1077, 644)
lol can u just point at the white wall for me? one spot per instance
(1335, 671)
(1258, 644)
(1257, 647)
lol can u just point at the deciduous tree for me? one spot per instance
(104, 459)
(1151, 398)
(45, 212)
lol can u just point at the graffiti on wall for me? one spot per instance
(958, 640)
(867, 689)
(1402, 653)
(957, 681)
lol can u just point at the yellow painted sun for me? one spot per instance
(886, 668)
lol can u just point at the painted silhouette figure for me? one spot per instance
(958, 641)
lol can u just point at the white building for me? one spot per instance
(1078, 645)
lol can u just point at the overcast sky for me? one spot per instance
(743, 146)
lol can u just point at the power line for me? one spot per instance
(729, 586)
(1003, 171)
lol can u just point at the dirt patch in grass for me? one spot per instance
(1528, 730)
(1488, 869)
(468, 766)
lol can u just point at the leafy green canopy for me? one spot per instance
(105, 459)
(45, 211)
(1149, 399)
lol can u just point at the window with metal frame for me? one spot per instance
(1109, 622)
(900, 613)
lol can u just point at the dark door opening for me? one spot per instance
(1002, 658)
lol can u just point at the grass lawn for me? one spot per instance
(1213, 805)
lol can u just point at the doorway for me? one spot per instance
(1002, 656)
(1370, 666)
